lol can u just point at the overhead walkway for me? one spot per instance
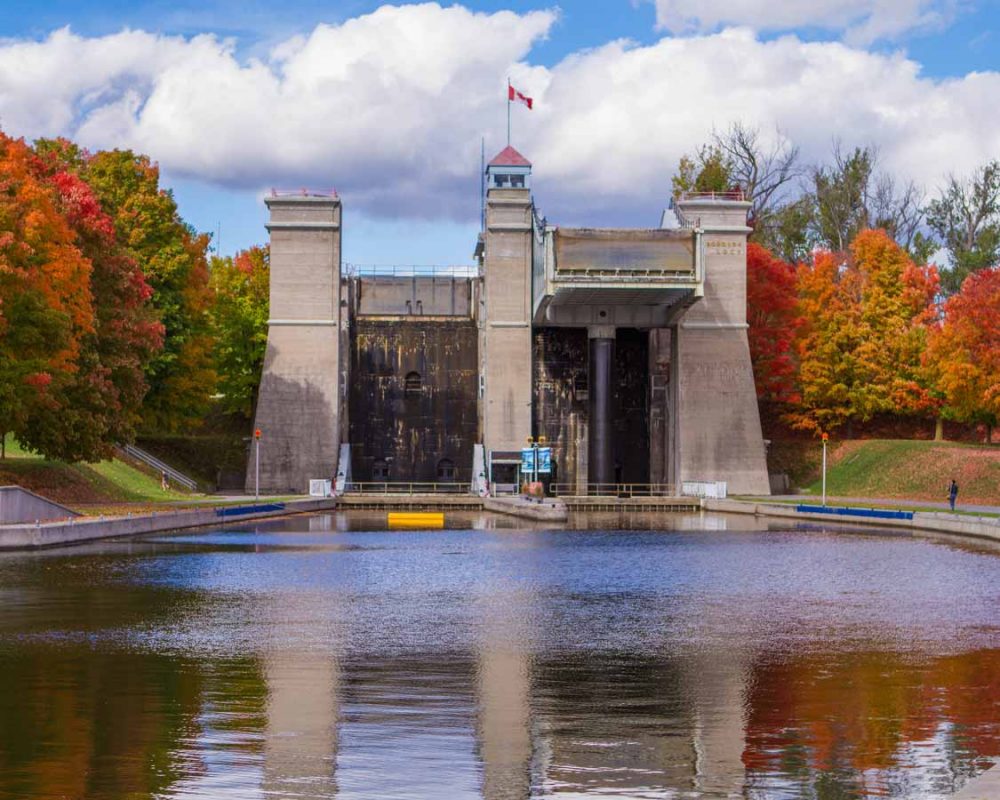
(637, 278)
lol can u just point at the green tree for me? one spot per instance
(710, 171)
(966, 215)
(239, 322)
(173, 259)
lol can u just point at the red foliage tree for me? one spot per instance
(46, 308)
(773, 317)
(100, 403)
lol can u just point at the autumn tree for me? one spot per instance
(173, 259)
(45, 301)
(772, 315)
(99, 403)
(966, 215)
(866, 315)
(239, 322)
(964, 351)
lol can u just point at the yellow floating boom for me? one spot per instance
(416, 519)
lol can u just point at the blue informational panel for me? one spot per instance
(544, 460)
(528, 460)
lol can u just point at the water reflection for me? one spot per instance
(319, 657)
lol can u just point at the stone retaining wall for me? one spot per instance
(85, 529)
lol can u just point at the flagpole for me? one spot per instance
(508, 112)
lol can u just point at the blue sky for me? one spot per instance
(389, 106)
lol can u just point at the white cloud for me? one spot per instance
(863, 21)
(389, 108)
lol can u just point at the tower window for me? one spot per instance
(414, 385)
(446, 470)
(517, 181)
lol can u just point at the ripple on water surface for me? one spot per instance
(306, 658)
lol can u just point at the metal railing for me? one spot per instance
(303, 192)
(730, 194)
(406, 488)
(411, 270)
(152, 461)
(623, 490)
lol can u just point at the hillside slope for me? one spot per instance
(75, 485)
(918, 470)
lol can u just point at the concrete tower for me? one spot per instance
(718, 421)
(299, 407)
(505, 354)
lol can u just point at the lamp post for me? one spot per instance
(826, 438)
(256, 469)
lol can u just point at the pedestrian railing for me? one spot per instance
(411, 270)
(152, 461)
(406, 488)
(624, 490)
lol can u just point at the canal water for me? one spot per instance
(322, 656)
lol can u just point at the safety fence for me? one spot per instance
(406, 488)
(621, 490)
(411, 271)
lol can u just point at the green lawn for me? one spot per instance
(916, 470)
(104, 482)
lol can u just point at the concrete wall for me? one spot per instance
(506, 333)
(298, 410)
(20, 505)
(413, 296)
(718, 421)
(413, 431)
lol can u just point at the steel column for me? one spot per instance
(600, 460)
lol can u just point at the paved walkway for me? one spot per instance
(892, 502)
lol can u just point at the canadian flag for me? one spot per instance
(514, 94)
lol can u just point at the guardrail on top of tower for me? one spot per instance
(411, 270)
(730, 194)
(303, 192)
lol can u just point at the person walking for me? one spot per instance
(164, 483)
(952, 493)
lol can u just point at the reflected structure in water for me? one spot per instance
(312, 658)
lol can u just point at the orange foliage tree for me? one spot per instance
(772, 315)
(99, 404)
(46, 305)
(866, 316)
(964, 350)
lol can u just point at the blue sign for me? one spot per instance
(528, 460)
(544, 460)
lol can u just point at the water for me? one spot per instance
(304, 659)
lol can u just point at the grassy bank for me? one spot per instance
(76, 485)
(905, 469)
